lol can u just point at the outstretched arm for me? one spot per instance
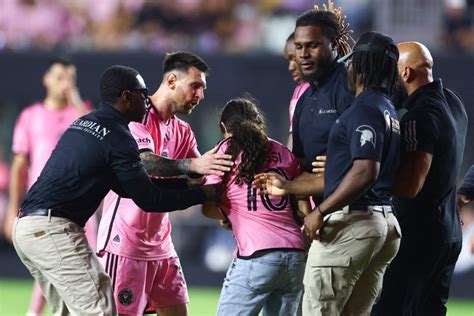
(211, 163)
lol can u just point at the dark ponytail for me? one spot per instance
(242, 118)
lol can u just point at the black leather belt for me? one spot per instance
(43, 212)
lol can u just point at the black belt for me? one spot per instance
(43, 212)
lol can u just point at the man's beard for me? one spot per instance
(316, 76)
(399, 94)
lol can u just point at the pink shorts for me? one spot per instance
(159, 283)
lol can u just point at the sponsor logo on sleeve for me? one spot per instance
(367, 135)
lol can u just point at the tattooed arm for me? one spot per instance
(209, 163)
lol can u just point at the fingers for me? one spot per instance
(319, 164)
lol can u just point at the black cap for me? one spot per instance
(374, 42)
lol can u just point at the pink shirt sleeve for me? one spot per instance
(21, 135)
(142, 136)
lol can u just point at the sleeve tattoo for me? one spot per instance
(159, 166)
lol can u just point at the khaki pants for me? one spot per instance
(344, 271)
(57, 254)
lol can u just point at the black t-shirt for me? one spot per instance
(369, 129)
(96, 154)
(435, 123)
(315, 113)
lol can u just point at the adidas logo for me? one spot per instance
(116, 238)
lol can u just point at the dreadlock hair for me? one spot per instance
(242, 118)
(376, 69)
(333, 25)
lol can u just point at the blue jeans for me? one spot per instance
(272, 282)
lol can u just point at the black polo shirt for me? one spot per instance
(96, 154)
(369, 129)
(434, 124)
(315, 113)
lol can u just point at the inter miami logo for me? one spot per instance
(367, 135)
(125, 296)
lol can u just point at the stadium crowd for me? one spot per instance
(205, 26)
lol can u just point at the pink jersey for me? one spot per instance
(125, 229)
(261, 222)
(37, 132)
(299, 90)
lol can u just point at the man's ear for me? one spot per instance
(171, 81)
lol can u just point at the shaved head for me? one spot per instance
(415, 55)
(415, 65)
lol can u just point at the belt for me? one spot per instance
(43, 212)
(371, 209)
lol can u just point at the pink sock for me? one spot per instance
(37, 300)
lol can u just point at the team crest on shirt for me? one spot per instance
(125, 296)
(367, 135)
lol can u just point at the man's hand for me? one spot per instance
(270, 184)
(74, 98)
(319, 164)
(211, 163)
(462, 200)
(313, 224)
(9, 220)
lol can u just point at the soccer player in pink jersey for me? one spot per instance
(268, 269)
(136, 247)
(289, 53)
(36, 133)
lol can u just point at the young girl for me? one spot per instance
(267, 271)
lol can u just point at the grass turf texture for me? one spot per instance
(15, 297)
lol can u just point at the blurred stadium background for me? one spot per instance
(242, 41)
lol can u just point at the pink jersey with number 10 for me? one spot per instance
(261, 222)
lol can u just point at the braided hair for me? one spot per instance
(242, 118)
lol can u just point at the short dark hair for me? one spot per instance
(182, 61)
(326, 20)
(291, 37)
(63, 61)
(115, 80)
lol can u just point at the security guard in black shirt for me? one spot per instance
(96, 154)
(433, 136)
(360, 235)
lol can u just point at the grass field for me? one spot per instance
(15, 295)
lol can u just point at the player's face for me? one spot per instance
(314, 52)
(58, 80)
(289, 53)
(189, 90)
